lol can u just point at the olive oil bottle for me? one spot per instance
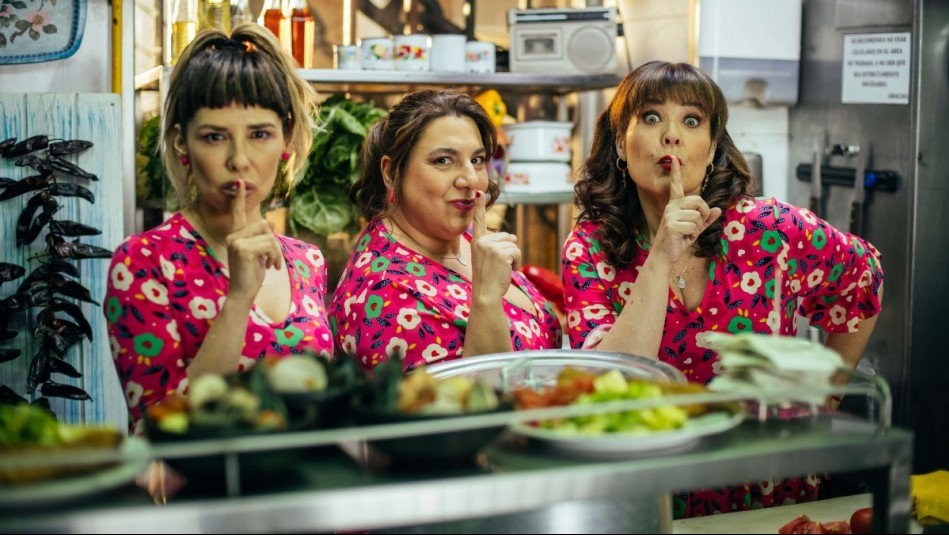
(214, 14)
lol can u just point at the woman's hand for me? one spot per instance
(493, 256)
(683, 220)
(251, 250)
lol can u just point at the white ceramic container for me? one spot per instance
(539, 141)
(538, 177)
(448, 52)
(347, 57)
(412, 52)
(377, 54)
(479, 56)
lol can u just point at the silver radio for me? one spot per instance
(563, 41)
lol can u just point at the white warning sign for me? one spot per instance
(876, 68)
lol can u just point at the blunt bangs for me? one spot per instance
(671, 82)
(220, 78)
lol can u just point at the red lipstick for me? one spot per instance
(666, 162)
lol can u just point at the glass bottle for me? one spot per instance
(302, 28)
(214, 14)
(240, 13)
(277, 20)
(182, 27)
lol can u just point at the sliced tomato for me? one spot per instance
(801, 524)
(839, 526)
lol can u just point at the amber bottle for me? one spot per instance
(277, 20)
(302, 28)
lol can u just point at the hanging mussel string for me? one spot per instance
(53, 286)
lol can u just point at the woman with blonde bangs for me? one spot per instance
(185, 298)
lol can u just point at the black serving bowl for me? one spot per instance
(206, 474)
(319, 410)
(434, 449)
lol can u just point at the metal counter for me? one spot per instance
(332, 490)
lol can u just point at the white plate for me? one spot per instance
(69, 488)
(619, 445)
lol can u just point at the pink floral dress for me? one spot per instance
(394, 299)
(165, 290)
(828, 276)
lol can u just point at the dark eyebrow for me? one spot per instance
(455, 152)
(256, 126)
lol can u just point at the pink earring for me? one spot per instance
(285, 156)
(392, 196)
(185, 160)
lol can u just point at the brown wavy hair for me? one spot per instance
(248, 68)
(396, 135)
(607, 196)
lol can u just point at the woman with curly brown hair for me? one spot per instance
(427, 280)
(670, 245)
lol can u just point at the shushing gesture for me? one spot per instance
(494, 255)
(684, 219)
(252, 249)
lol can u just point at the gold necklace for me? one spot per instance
(680, 281)
(426, 249)
(205, 230)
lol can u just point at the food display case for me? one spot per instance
(339, 482)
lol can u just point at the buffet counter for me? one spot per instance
(346, 488)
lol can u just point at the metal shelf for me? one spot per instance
(407, 81)
(556, 197)
(516, 477)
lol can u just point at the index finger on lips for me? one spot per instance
(238, 208)
(479, 226)
(675, 180)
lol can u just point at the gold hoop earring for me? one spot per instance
(623, 167)
(708, 174)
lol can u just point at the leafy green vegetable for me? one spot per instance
(150, 181)
(613, 387)
(25, 424)
(320, 202)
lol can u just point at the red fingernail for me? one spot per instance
(478, 195)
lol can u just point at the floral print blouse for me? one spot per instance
(828, 276)
(165, 290)
(394, 299)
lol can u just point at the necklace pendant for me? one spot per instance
(461, 261)
(681, 283)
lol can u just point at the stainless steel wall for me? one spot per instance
(908, 226)
(884, 127)
(929, 323)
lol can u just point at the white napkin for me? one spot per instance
(757, 363)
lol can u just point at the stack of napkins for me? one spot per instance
(756, 364)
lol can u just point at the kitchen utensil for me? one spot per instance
(347, 57)
(537, 177)
(448, 52)
(480, 56)
(859, 191)
(377, 54)
(539, 141)
(412, 52)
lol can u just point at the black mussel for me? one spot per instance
(58, 390)
(69, 168)
(72, 229)
(8, 271)
(26, 146)
(71, 190)
(72, 146)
